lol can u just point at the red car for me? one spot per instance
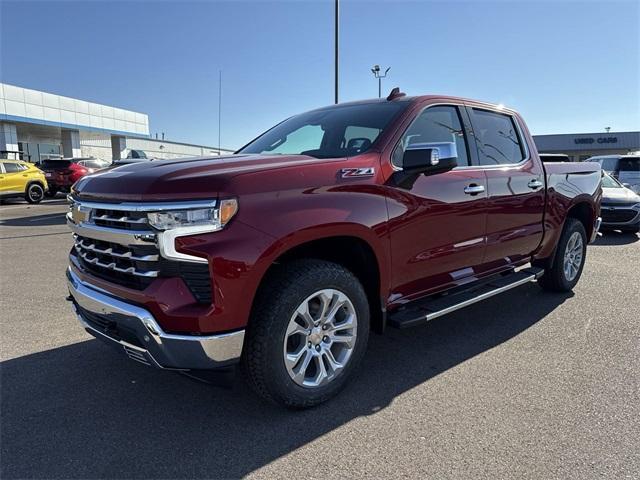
(338, 221)
(63, 173)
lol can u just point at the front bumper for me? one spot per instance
(135, 330)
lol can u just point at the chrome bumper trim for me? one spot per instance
(163, 350)
(113, 235)
(596, 229)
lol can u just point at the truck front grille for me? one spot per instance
(618, 215)
(118, 245)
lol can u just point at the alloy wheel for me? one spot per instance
(573, 256)
(36, 193)
(320, 338)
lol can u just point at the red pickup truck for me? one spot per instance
(346, 219)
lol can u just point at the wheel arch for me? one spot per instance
(351, 250)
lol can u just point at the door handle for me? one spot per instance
(473, 189)
(535, 183)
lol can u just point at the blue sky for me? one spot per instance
(566, 66)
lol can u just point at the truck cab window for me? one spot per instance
(435, 124)
(496, 138)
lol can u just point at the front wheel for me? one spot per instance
(34, 193)
(307, 335)
(569, 259)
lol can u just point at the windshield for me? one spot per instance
(331, 132)
(609, 182)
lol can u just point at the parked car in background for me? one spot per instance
(620, 207)
(554, 157)
(22, 179)
(624, 168)
(335, 222)
(136, 154)
(63, 173)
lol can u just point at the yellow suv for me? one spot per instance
(21, 179)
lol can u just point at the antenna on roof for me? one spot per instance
(395, 93)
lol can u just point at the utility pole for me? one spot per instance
(336, 44)
(219, 109)
(376, 73)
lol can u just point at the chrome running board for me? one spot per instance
(424, 310)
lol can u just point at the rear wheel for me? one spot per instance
(52, 192)
(569, 259)
(34, 193)
(307, 335)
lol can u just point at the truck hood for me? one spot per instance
(179, 179)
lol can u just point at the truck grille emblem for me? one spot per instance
(80, 214)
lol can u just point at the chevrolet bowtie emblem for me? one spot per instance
(80, 214)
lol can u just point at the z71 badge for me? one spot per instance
(358, 172)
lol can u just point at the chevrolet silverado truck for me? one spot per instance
(340, 221)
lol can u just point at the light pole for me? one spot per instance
(376, 73)
(335, 46)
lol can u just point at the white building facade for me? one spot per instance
(36, 125)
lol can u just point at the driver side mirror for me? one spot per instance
(430, 158)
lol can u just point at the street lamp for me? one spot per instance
(376, 73)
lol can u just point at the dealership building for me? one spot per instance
(36, 125)
(580, 146)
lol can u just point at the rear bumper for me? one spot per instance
(136, 331)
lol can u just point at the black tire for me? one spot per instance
(52, 192)
(555, 278)
(34, 193)
(263, 359)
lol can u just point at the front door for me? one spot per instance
(12, 181)
(437, 222)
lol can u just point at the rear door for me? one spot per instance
(515, 186)
(437, 222)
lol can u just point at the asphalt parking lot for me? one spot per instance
(525, 385)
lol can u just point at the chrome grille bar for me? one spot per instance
(114, 235)
(123, 219)
(112, 265)
(110, 251)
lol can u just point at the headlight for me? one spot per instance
(213, 217)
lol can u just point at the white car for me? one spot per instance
(624, 168)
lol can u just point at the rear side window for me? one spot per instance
(93, 164)
(496, 137)
(13, 167)
(435, 125)
(629, 164)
